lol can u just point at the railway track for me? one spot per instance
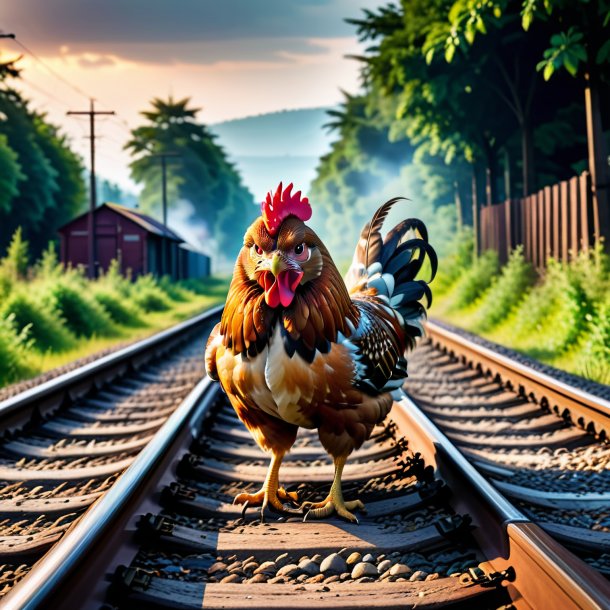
(67, 441)
(540, 441)
(436, 533)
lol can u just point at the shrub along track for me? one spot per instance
(542, 442)
(66, 442)
(435, 534)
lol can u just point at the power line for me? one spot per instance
(44, 92)
(117, 119)
(51, 70)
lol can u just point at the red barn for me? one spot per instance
(140, 243)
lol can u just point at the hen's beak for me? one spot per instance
(276, 264)
(280, 282)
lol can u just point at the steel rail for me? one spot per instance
(584, 407)
(546, 574)
(19, 409)
(74, 549)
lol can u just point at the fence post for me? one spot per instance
(534, 227)
(574, 217)
(565, 219)
(555, 221)
(549, 217)
(585, 204)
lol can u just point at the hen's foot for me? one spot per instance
(334, 503)
(272, 498)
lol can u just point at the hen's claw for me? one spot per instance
(270, 498)
(332, 504)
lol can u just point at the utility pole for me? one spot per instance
(164, 156)
(91, 113)
(598, 161)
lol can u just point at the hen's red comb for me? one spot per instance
(283, 204)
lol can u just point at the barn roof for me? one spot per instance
(146, 222)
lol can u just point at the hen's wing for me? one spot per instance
(214, 340)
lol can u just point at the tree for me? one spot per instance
(41, 182)
(579, 45)
(37, 186)
(463, 101)
(201, 174)
(10, 174)
(15, 263)
(69, 198)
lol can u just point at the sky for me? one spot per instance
(233, 58)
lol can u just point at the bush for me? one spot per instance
(45, 328)
(13, 352)
(596, 352)
(475, 280)
(451, 267)
(49, 266)
(176, 292)
(508, 289)
(114, 281)
(119, 311)
(148, 296)
(83, 315)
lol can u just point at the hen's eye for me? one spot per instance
(258, 249)
(301, 253)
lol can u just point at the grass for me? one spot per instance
(50, 316)
(562, 318)
(154, 322)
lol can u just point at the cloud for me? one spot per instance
(278, 50)
(95, 61)
(199, 31)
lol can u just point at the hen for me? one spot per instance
(298, 346)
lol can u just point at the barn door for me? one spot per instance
(106, 250)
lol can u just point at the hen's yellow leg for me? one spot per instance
(334, 502)
(270, 494)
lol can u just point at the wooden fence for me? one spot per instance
(557, 221)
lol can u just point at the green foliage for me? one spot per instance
(505, 292)
(15, 264)
(10, 174)
(457, 260)
(48, 314)
(49, 266)
(120, 311)
(176, 292)
(69, 196)
(81, 313)
(114, 281)
(200, 174)
(585, 39)
(149, 296)
(44, 327)
(14, 348)
(563, 319)
(41, 179)
(596, 352)
(475, 280)
(566, 51)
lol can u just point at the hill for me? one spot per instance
(276, 146)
